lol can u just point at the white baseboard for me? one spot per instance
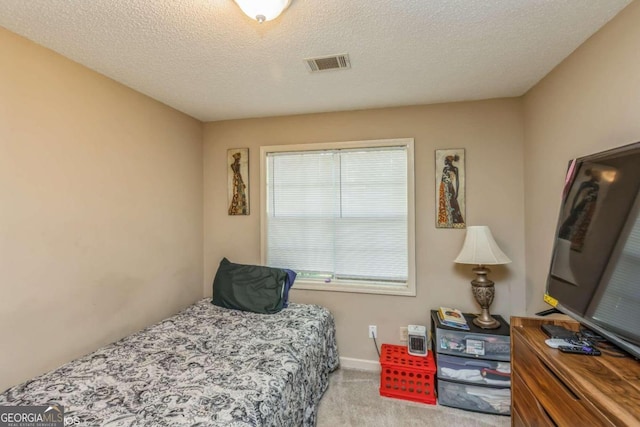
(360, 364)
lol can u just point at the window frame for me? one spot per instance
(369, 287)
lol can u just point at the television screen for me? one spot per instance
(595, 265)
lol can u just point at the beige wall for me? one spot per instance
(100, 210)
(589, 103)
(491, 133)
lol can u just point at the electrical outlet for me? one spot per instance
(373, 331)
(404, 334)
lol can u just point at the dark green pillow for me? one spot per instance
(248, 287)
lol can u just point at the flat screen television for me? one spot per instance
(594, 275)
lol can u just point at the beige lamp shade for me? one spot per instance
(480, 248)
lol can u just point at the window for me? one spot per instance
(341, 215)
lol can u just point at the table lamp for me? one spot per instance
(481, 249)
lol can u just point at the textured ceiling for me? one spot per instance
(207, 59)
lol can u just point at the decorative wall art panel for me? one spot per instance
(450, 188)
(238, 181)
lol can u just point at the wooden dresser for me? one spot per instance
(551, 388)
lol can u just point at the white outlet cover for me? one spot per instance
(373, 331)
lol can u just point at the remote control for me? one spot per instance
(589, 351)
(557, 342)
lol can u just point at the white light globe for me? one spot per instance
(263, 10)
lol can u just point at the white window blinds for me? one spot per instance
(339, 214)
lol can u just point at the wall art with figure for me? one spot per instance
(238, 181)
(450, 188)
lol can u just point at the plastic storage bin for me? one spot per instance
(471, 370)
(407, 377)
(457, 343)
(475, 398)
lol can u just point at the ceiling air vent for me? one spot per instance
(326, 63)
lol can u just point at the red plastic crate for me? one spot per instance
(407, 377)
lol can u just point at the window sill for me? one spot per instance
(359, 288)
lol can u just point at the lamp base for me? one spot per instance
(486, 324)
(483, 292)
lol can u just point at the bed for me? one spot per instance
(205, 366)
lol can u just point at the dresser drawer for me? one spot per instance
(483, 346)
(516, 419)
(490, 344)
(526, 408)
(474, 397)
(561, 405)
(476, 371)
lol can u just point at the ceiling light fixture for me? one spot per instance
(263, 10)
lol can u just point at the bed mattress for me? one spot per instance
(206, 366)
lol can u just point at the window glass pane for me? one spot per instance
(302, 193)
(374, 183)
(303, 185)
(372, 248)
(301, 244)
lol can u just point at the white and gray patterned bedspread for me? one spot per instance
(206, 366)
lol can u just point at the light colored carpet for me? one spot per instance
(353, 400)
